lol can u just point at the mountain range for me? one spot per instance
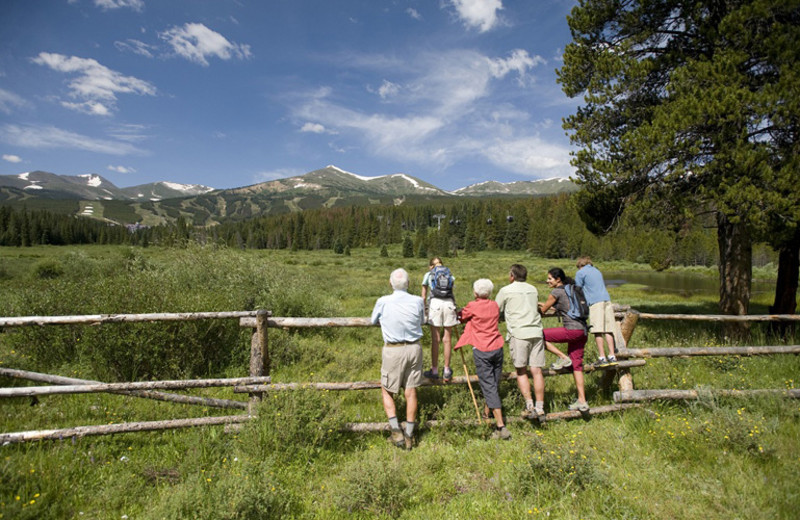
(160, 202)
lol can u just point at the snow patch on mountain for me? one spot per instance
(186, 187)
(24, 176)
(92, 180)
(361, 177)
(310, 185)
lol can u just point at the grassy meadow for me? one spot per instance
(714, 458)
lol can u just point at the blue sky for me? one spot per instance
(230, 93)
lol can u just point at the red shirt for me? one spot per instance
(481, 317)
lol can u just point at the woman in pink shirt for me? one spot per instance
(481, 317)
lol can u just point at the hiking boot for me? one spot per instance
(447, 375)
(579, 406)
(601, 362)
(501, 434)
(430, 374)
(530, 413)
(397, 438)
(409, 441)
(561, 363)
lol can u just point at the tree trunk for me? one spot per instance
(786, 285)
(735, 270)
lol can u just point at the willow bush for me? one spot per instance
(194, 279)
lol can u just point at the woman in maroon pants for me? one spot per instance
(572, 332)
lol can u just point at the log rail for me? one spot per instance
(259, 381)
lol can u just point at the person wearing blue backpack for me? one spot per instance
(437, 291)
(564, 299)
(601, 311)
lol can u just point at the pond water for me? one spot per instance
(676, 282)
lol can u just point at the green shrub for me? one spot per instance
(245, 495)
(554, 470)
(194, 279)
(306, 421)
(48, 269)
(376, 487)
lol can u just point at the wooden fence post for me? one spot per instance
(259, 355)
(622, 334)
(627, 327)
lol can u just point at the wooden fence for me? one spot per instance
(259, 381)
(143, 389)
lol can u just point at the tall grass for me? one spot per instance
(713, 458)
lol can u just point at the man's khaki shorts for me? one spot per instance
(526, 352)
(442, 313)
(401, 366)
(601, 318)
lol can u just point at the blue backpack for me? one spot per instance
(578, 308)
(441, 282)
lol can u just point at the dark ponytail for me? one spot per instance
(558, 274)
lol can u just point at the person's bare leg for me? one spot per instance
(598, 338)
(388, 403)
(498, 417)
(523, 383)
(434, 347)
(411, 404)
(611, 346)
(555, 350)
(448, 345)
(538, 384)
(579, 384)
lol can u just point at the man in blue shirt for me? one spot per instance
(401, 316)
(601, 311)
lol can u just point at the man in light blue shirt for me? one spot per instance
(601, 311)
(400, 316)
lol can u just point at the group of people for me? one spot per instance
(402, 316)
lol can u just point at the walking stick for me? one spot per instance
(466, 373)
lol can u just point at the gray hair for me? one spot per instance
(399, 279)
(483, 287)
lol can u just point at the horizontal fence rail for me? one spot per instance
(92, 319)
(371, 385)
(108, 429)
(707, 351)
(25, 391)
(635, 396)
(146, 394)
(720, 317)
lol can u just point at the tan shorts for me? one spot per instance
(526, 352)
(442, 313)
(401, 367)
(601, 318)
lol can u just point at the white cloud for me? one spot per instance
(196, 42)
(314, 128)
(478, 13)
(413, 13)
(136, 5)
(52, 137)
(388, 89)
(94, 108)
(444, 113)
(519, 61)
(136, 47)
(12, 158)
(96, 84)
(121, 169)
(129, 132)
(530, 156)
(9, 100)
